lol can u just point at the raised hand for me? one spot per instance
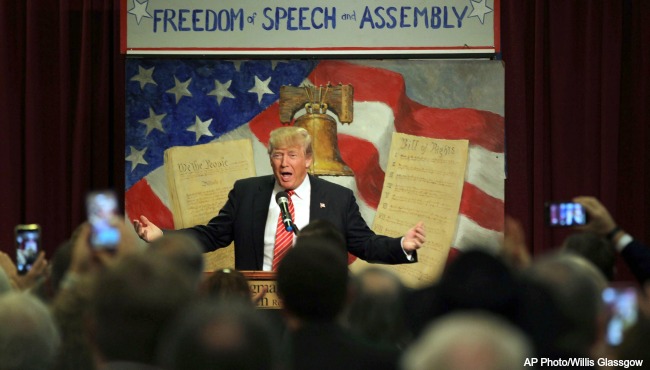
(414, 238)
(146, 229)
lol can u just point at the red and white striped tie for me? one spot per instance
(283, 238)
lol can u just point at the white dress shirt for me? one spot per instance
(301, 200)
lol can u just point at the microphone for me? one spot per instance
(282, 198)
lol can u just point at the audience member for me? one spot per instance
(313, 285)
(469, 340)
(132, 303)
(48, 288)
(376, 309)
(218, 335)
(183, 250)
(29, 339)
(601, 222)
(514, 250)
(479, 281)
(227, 284)
(5, 283)
(595, 249)
(576, 286)
(324, 229)
(475, 280)
(30, 279)
(70, 308)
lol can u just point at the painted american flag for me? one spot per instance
(180, 102)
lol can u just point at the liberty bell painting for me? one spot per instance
(316, 101)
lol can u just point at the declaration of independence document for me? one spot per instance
(199, 178)
(424, 182)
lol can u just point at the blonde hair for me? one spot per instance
(287, 136)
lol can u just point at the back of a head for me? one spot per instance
(183, 250)
(322, 229)
(29, 338)
(218, 335)
(131, 304)
(476, 280)
(468, 340)
(227, 284)
(312, 280)
(376, 310)
(594, 248)
(576, 286)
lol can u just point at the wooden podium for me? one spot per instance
(258, 280)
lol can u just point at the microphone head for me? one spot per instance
(282, 197)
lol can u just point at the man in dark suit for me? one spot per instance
(635, 253)
(250, 215)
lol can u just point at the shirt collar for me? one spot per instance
(301, 191)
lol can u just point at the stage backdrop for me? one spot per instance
(183, 102)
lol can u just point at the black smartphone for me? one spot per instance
(28, 245)
(103, 211)
(565, 214)
(621, 305)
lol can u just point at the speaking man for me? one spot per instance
(262, 224)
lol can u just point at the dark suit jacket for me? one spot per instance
(637, 258)
(243, 219)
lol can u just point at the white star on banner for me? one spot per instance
(144, 76)
(154, 121)
(221, 91)
(261, 88)
(136, 157)
(140, 10)
(201, 128)
(180, 89)
(479, 9)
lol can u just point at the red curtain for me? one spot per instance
(577, 111)
(61, 107)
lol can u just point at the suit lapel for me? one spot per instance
(318, 206)
(260, 211)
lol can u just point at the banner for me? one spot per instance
(289, 27)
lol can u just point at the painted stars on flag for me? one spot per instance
(181, 103)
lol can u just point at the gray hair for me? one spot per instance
(29, 338)
(469, 340)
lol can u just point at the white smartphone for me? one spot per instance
(621, 304)
(102, 215)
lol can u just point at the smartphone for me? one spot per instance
(28, 245)
(565, 214)
(622, 311)
(103, 212)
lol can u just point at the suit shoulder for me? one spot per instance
(253, 181)
(328, 186)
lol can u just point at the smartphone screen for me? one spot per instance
(28, 244)
(621, 305)
(565, 214)
(102, 215)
